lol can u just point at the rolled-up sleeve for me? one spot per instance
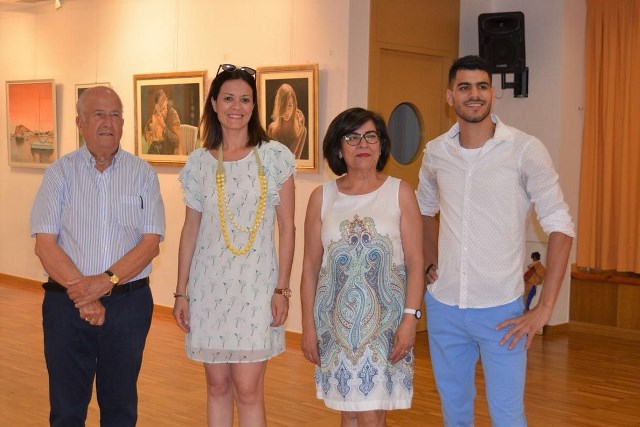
(428, 193)
(542, 186)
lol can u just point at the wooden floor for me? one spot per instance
(574, 378)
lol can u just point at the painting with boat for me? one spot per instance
(31, 123)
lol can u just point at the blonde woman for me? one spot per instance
(288, 124)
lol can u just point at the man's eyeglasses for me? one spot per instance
(231, 67)
(354, 138)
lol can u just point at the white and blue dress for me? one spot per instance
(359, 301)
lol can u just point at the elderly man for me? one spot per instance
(98, 220)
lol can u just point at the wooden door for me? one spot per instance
(412, 45)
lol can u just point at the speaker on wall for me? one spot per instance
(501, 37)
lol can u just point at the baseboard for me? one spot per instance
(602, 330)
(293, 338)
(558, 329)
(21, 281)
(162, 310)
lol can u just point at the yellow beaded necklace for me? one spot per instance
(223, 204)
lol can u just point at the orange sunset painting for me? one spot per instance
(31, 123)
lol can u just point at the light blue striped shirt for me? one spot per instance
(99, 217)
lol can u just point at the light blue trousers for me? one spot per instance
(457, 338)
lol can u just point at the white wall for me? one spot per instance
(553, 112)
(111, 40)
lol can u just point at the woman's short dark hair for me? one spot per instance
(210, 127)
(349, 121)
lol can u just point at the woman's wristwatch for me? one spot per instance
(417, 313)
(286, 292)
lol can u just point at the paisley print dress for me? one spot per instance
(359, 301)
(230, 295)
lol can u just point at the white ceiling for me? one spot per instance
(21, 5)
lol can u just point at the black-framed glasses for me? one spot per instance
(354, 138)
(231, 67)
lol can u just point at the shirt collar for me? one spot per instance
(91, 161)
(501, 134)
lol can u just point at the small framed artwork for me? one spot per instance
(288, 102)
(79, 89)
(167, 113)
(31, 123)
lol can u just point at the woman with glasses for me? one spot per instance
(362, 279)
(288, 121)
(232, 293)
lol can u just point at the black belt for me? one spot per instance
(54, 286)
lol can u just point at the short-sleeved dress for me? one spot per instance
(359, 301)
(230, 295)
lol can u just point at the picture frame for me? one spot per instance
(79, 89)
(167, 113)
(31, 123)
(275, 85)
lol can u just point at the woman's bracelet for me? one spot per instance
(429, 269)
(178, 294)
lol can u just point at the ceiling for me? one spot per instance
(22, 5)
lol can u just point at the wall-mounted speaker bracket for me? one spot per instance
(520, 83)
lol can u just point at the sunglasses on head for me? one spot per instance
(231, 67)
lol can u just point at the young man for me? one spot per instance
(482, 176)
(98, 219)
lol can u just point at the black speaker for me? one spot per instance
(501, 38)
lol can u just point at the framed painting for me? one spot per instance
(79, 89)
(288, 103)
(167, 112)
(31, 123)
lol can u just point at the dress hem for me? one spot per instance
(235, 361)
(367, 406)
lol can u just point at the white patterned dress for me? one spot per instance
(230, 295)
(359, 301)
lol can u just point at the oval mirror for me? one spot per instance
(404, 131)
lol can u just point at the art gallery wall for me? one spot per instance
(111, 40)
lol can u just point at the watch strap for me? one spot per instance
(413, 311)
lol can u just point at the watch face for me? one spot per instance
(112, 277)
(284, 292)
(418, 314)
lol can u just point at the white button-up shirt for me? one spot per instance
(99, 217)
(483, 207)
